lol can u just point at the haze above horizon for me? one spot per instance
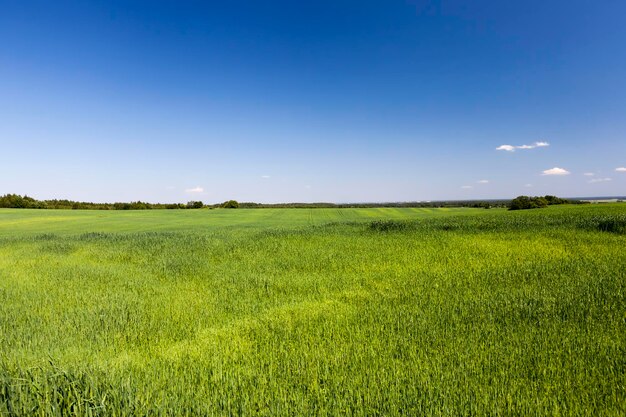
(338, 101)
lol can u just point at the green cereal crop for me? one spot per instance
(322, 312)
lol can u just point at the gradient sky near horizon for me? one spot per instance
(284, 101)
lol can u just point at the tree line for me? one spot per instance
(524, 202)
(519, 203)
(18, 201)
(410, 204)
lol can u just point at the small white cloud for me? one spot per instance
(307, 186)
(483, 182)
(265, 176)
(511, 148)
(195, 190)
(620, 169)
(598, 180)
(528, 185)
(467, 187)
(556, 171)
(589, 174)
(508, 148)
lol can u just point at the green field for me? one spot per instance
(21, 222)
(314, 312)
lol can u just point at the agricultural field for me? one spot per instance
(323, 312)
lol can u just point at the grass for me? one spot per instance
(27, 222)
(313, 312)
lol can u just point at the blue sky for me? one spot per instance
(338, 101)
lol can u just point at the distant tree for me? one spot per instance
(195, 204)
(12, 201)
(230, 204)
(139, 205)
(17, 201)
(521, 202)
(552, 200)
(524, 202)
(539, 202)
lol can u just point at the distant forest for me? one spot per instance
(17, 201)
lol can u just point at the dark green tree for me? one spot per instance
(524, 202)
(230, 204)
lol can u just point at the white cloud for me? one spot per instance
(556, 171)
(512, 148)
(528, 185)
(195, 190)
(467, 187)
(265, 176)
(620, 169)
(483, 182)
(509, 148)
(589, 174)
(594, 180)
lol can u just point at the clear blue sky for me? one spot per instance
(337, 100)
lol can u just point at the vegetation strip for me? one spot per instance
(314, 312)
